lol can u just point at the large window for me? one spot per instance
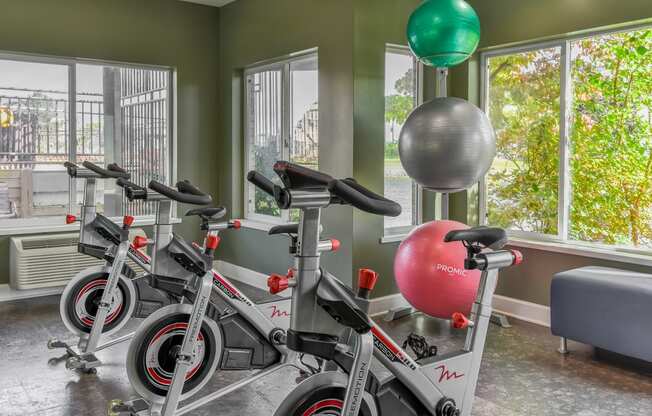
(120, 114)
(574, 128)
(282, 123)
(401, 79)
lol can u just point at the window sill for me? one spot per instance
(46, 228)
(640, 257)
(396, 235)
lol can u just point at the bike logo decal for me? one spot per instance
(390, 350)
(142, 256)
(278, 313)
(451, 270)
(229, 290)
(446, 375)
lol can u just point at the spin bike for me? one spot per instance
(322, 307)
(87, 309)
(178, 348)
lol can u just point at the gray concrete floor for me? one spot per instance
(521, 373)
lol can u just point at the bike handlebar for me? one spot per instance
(343, 191)
(112, 171)
(351, 192)
(186, 193)
(261, 182)
(133, 191)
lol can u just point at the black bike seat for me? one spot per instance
(207, 213)
(284, 229)
(494, 238)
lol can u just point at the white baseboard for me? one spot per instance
(242, 274)
(516, 308)
(7, 294)
(383, 304)
(523, 310)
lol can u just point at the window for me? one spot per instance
(121, 115)
(401, 79)
(282, 123)
(574, 129)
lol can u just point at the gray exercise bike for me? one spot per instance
(323, 309)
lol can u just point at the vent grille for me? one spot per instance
(48, 261)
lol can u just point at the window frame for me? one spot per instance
(396, 232)
(47, 224)
(561, 241)
(283, 65)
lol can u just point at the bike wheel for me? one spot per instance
(151, 358)
(81, 298)
(322, 395)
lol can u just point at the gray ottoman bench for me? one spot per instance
(608, 308)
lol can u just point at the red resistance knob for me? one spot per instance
(70, 219)
(518, 257)
(459, 321)
(235, 224)
(140, 242)
(277, 283)
(127, 221)
(367, 280)
(212, 241)
(335, 244)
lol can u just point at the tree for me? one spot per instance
(398, 106)
(610, 140)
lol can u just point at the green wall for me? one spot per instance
(252, 31)
(160, 32)
(509, 21)
(351, 38)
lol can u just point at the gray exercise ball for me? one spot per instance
(447, 144)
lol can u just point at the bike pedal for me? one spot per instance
(54, 344)
(133, 408)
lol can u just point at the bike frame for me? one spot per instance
(453, 376)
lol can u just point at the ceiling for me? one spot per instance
(215, 3)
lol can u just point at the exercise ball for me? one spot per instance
(443, 33)
(430, 273)
(447, 145)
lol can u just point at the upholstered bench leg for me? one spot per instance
(563, 346)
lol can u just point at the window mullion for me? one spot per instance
(72, 131)
(286, 121)
(564, 148)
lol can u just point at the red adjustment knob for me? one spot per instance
(236, 224)
(518, 257)
(212, 241)
(70, 219)
(335, 244)
(290, 274)
(459, 321)
(277, 283)
(127, 221)
(367, 279)
(140, 242)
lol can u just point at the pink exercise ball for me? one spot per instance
(430, 273)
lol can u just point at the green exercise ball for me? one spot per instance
(443, 33)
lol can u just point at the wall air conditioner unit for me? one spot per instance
(48, 260)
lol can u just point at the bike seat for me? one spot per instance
(284, 229)
(207, 213)
(494, 238)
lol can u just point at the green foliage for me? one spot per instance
(610, 140)
(398, 106)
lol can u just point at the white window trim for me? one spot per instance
(252, 219)
(13, 226)
(398, 233)
(559, 243)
